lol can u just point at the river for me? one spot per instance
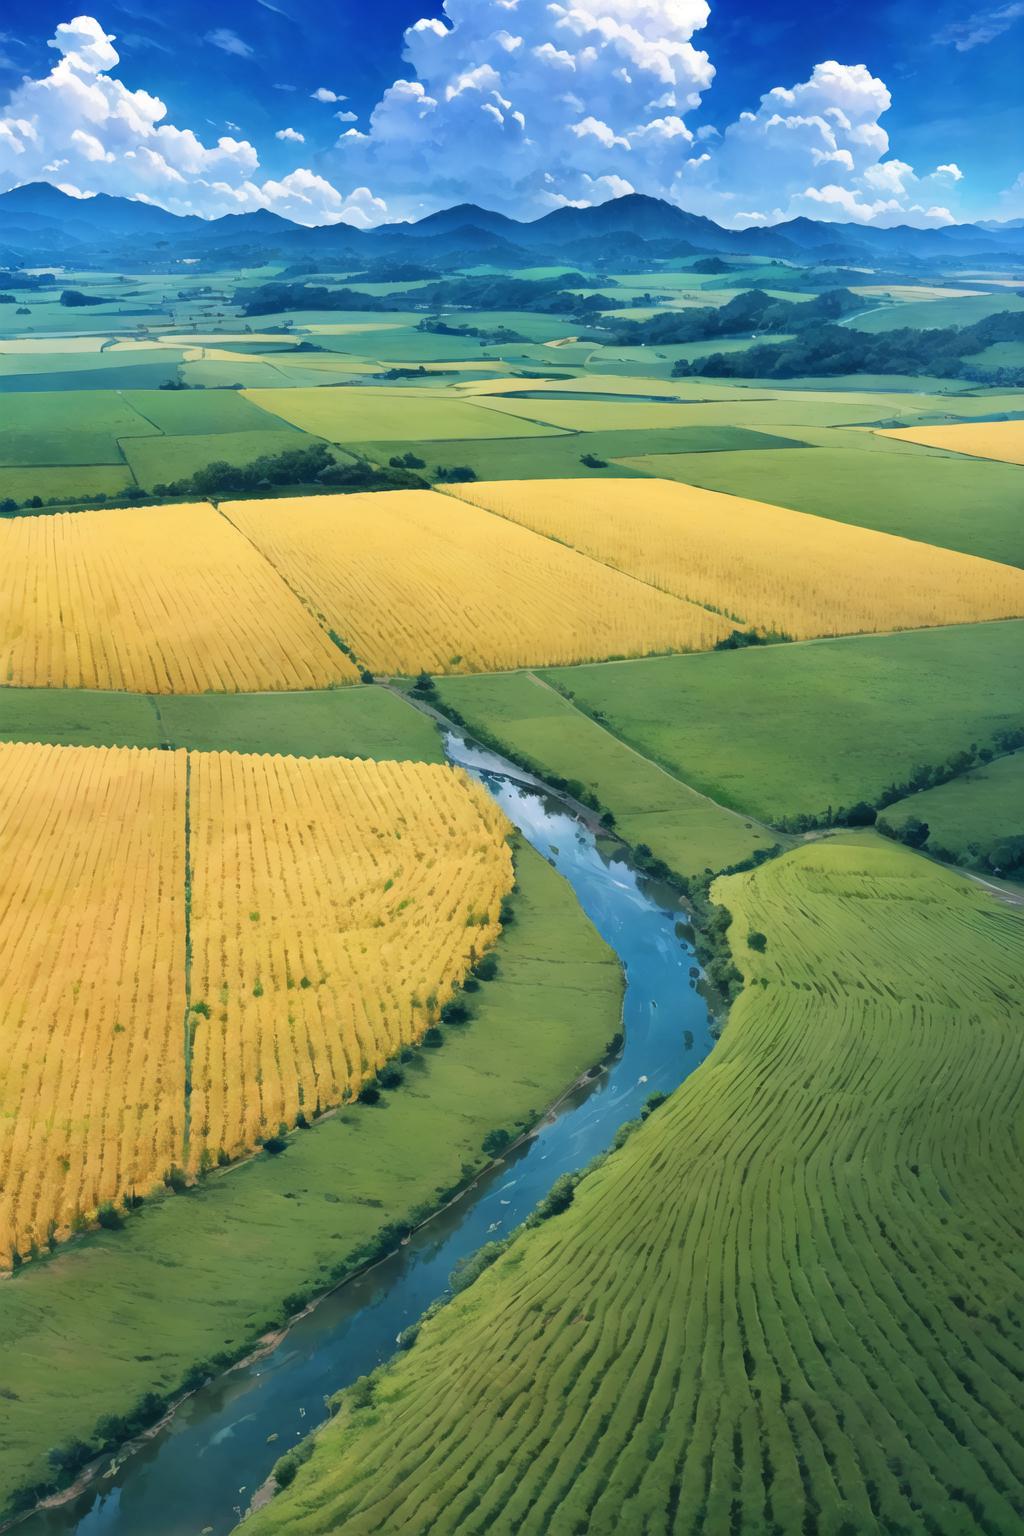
(198, 1474)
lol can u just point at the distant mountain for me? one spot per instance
(40, 225)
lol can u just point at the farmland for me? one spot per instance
(326, 911)
(92, 1084)
(771, 1307)
(311, 982)
(1002, 440)
(765, 567)
(161, 599)
(413, 580)
(531, 722)
(278, 983)
(201, 1275)
(789, 729)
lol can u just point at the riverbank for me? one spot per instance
(194, 1281)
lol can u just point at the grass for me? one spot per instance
(189, 412)
(118, 1314)
(156, 460)
(784, 1304)
(970, 507)
(788, 729)
(531, 721)
(66, 481)
(341, 415)
(343, 722)
(791, 411)
(970, 813)
(559, 456)
(932, 314)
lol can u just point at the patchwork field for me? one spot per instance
(353, 415)
(415, 580)
(782, 730)
(188, 1279)
(160, 599)
(327, 910)
(762, 566)
(531, 722)
(857, 477)
(781, 1305)
(1002, 440)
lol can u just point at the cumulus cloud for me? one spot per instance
(323, 94)
(952, 170)
(290, 136)
(87, 132)
(518, 102)
(815, 149)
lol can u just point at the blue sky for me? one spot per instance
(565, 110)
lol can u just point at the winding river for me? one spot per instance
(198, 1474)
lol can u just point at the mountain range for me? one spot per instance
(40, 225)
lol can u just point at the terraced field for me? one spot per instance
(787, 1304)
(763, 566)
(413, 580)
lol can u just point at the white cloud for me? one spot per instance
(229, 42)
(347, 117)
(528, 104)
(85, 130)
(981, 27)
(290, 136)
(815, 149)
(952, 170)
(323, 94)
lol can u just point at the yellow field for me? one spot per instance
(334, 907)
(415, 580)
(92, 981)
(764, 566)
(156, 600)
(1002, 440)
(332, 940)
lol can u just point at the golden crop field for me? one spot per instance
(335, 905)
(763, 566)
(330, 940)
(1003, 440)
(92, 981)
(155, 600)
(415, 580)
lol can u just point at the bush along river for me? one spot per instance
(197, 1475)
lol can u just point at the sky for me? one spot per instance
(749, 111)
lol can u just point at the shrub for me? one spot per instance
(757, 940)
(433, 1038)
(109, 1217)
(275, 1145)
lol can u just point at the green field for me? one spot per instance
(188, 412)
(64, 481)
(970, 813)
(782, 730)
(560, 456)
(343, 415)
(116, 1315)
(785, 1305)
(931, 314)
(156, 460)
(974, 507)
(532, 722)
(344, 722)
